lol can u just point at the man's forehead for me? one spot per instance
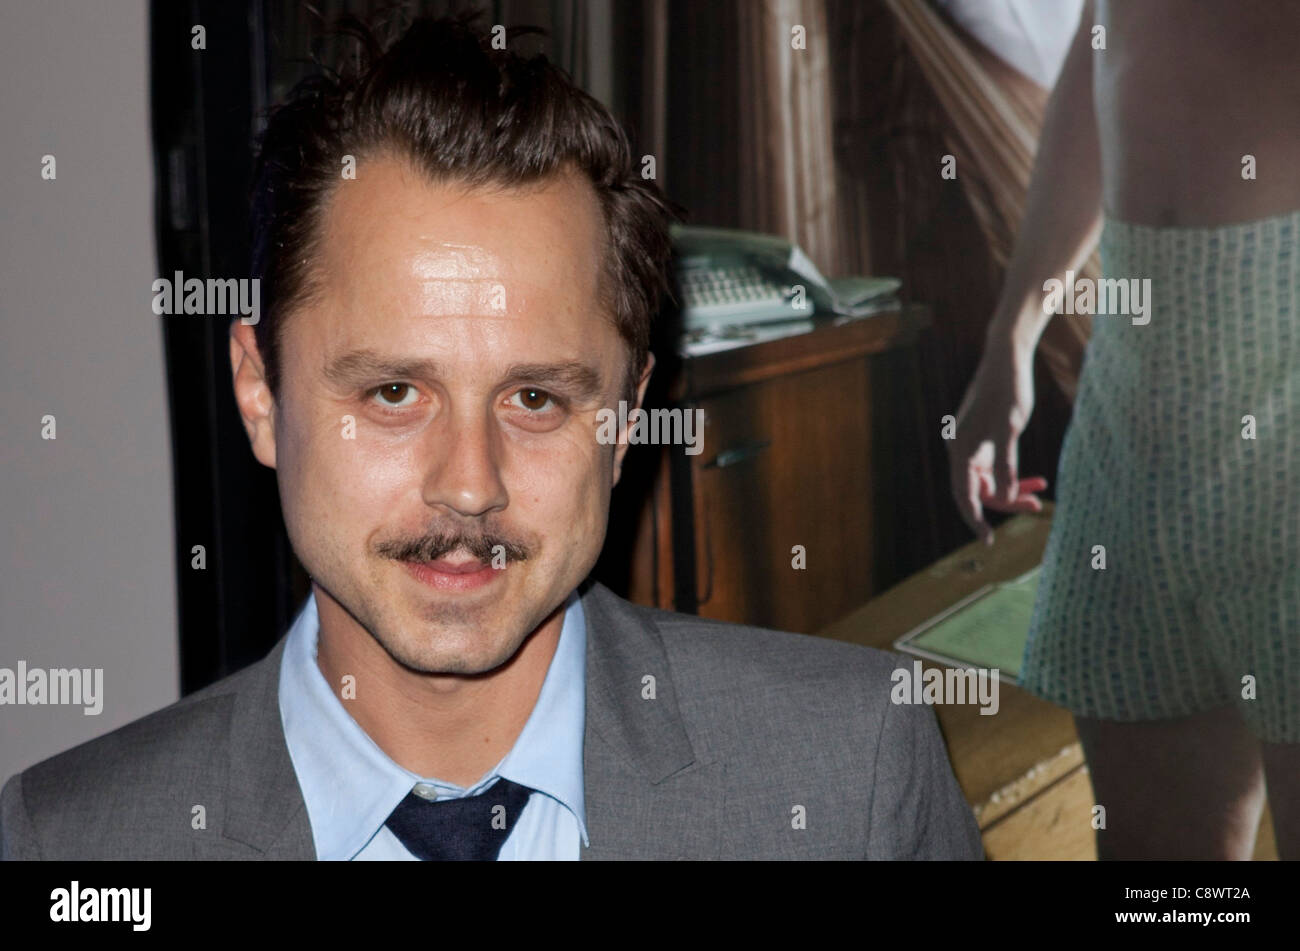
(451, 260)
(421, 279)
(448, 228)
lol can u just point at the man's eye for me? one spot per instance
(532, 399)
(395, 395)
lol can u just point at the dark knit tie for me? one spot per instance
(471, 828)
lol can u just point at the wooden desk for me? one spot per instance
(1022, 770)
(825, 413)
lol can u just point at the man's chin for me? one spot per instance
(453, 629)
(458, 632)
(456, 664)
(443, 649)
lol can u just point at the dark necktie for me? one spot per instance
(471, 828)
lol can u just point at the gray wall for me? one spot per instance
(86, 519)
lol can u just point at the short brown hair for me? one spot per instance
(462, 111)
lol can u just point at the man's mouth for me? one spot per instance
(453, 567)
(453, 573)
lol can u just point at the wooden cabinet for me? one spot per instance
(777, 521)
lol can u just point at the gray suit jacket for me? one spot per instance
(746, 726)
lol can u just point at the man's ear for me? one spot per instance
(252, 394)
(621, 450)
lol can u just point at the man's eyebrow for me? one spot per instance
(365, 366)
(578, 379)
(359, 367)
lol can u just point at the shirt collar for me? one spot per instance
(350, 786)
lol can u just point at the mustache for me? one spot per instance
(434, 545)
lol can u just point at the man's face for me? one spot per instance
(437, 412)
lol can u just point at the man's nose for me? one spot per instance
(465, 472)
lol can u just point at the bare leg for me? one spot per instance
(1187, 788)
(1282, 768)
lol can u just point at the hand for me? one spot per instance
(983, 456)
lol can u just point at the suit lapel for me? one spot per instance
(647, 794)
(265, 811)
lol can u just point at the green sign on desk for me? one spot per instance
(987, 629)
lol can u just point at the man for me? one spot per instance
(442, 331)
(1167, 610)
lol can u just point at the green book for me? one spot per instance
(987, 629)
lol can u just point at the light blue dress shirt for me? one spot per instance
(351, 786)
